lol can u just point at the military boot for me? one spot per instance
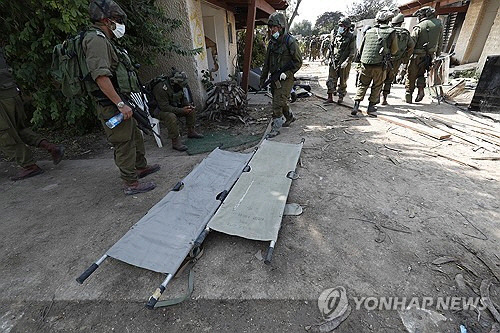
(27, 172)
(330, 99)
(289, 120)
(420, 95)
(408, 97)
(178, 145)
(341, 99)
(149, 169)
(371, 109)
(56, 151)
(136, 187)
(355, 109)
(384, 98)
(275, 127)
(193, 134)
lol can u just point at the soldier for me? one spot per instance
(171, 103)
(405, 49)
(428, 37)
(343, 50)
(312, 48)
(115, 78)
(15, 136)
(283, 60)
(379, 43)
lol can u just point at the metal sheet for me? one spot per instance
(254, 207)
(164, 236)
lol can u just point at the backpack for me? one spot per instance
(69, 67)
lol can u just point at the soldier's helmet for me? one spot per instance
(101, 9)
(345, 21)
(398, 19)
(425, 12)
(277, 19)
(179, 78)
(384, 15)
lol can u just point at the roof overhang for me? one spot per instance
(442, 7)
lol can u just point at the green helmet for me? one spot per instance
(101, 9)
(179, 78)
(384, 15)
(277, 19)
(425, 12)
(345, 21)
(398, 19)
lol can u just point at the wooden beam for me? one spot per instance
(432, 132)
(411, 8)
(248, 43)
(449, 10)
(265, 6)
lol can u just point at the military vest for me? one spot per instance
(430, 32)
(341, 47)
(125, 75)
(279, 52)
(403, 36)
(6, 78)
(376, 45)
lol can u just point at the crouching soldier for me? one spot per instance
(283, 60)
(171, 102)
(15, 135)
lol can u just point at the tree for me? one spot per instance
(30, 30)
(367, 9)
(292, 11)
(327, 21)
(303, 28)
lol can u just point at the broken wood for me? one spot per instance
(486, 300)
(451, 159)
(432, 132)
(226, 100)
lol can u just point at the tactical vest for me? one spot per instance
(376, 45)
(430, 31)
(6, 78)
(125, 75)
(403, 36)
(341, 47)
(279, 52)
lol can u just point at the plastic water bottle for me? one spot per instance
(113, 122)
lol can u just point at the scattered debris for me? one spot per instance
(258, 255)
(451, 159)
(486, 300)
(418, 320)
(226, 98)
(482, 233)
(321, 107)
(332, 324)
(292, 209)
(444, 260)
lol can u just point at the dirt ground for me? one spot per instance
(378, 210)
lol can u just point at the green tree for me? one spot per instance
(258, 48)
(303, 28)
(326, 22)
(367, 9)
(31, 29)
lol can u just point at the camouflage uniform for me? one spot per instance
(15, 135)
(405, 49)
(428, 37)
(378, 43)
(343, 50)
(280, 52)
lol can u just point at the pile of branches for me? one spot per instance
(226, 100)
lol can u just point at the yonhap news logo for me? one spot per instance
(332, 302)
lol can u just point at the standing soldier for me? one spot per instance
(172, 103)
(428, 37)
(405, 49)
(312, 48)
(379, 43)
(343, 50)
(283, 60)
(14, 133)
(115, 78)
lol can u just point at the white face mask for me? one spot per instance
(341, 30)
(276, 35)
(119, 30)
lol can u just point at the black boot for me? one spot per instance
(371, 109)
(355, 109)
(384, 98)
(56, 151)
(420, 95)
(329, 100)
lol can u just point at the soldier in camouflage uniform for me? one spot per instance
(405, 49)
(282, 53)
(113, 77)
(172, 103)
(428, 37)
(343, 50)
(379, 43)
(15, 135)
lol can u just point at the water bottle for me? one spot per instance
(113, 122)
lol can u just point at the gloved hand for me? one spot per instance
(343, 65)
(282, 76)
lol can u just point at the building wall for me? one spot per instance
(475, 30)
(492, 46)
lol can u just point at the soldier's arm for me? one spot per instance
(296, 58)
(163, 100)
(352, 48)
(409, 49)
(265, 68)
(394, 43)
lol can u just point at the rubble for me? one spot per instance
(226, 99)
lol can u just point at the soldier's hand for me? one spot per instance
(188, 109)
(282, 76)
(127, 112)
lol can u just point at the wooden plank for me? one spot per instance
(248, 43)
(432, 132)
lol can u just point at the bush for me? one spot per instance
(258, 48)
(31, 29)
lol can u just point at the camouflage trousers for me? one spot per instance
(416, 73)
(170, 121)
(336, 75)
(128, 143)
(391, 75)
(15, 135)
(280, 98)
(374, 75)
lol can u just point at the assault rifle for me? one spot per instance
(142, 117)
(275, 76)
